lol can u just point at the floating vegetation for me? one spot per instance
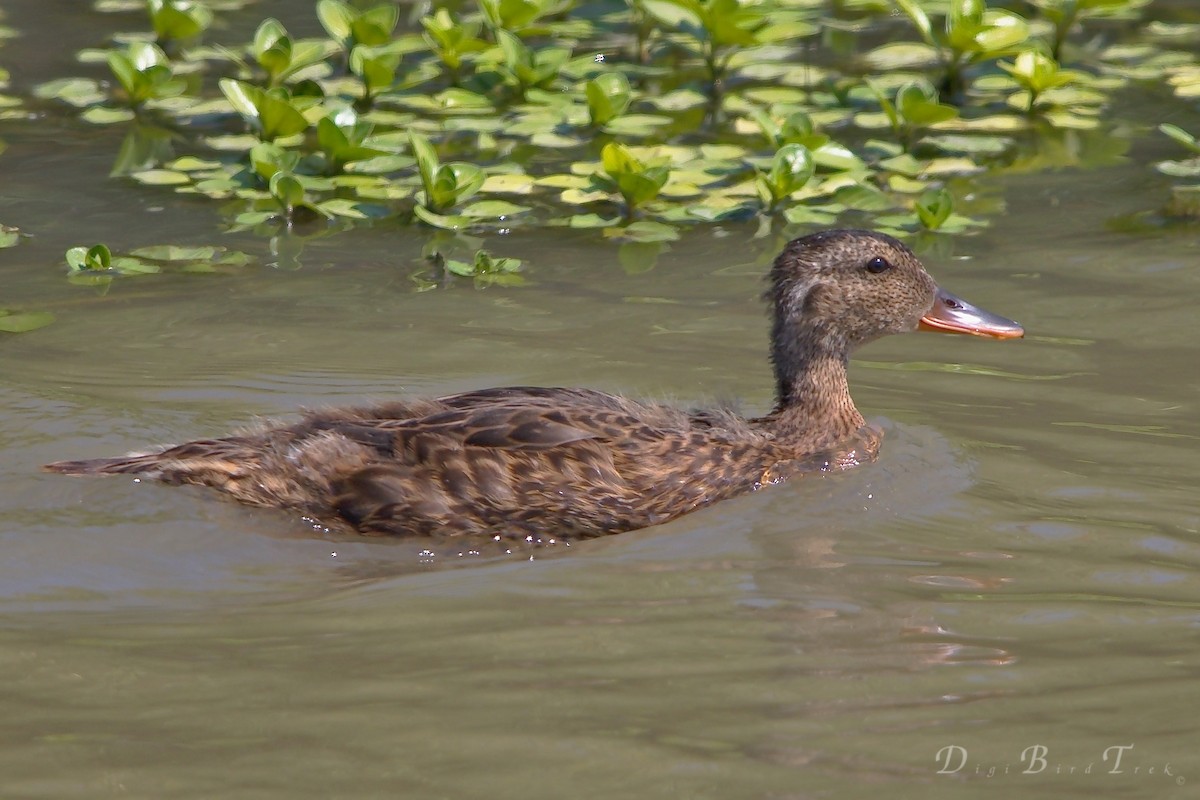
(637, 120)
(97, 266)
(1185, 198)
(23, 321)
(10, 107)
(9, 236)
(483, 270)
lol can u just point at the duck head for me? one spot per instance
(834, 291)
(854, 286)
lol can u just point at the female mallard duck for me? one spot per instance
(533, 462)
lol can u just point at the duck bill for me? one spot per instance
(951, 314)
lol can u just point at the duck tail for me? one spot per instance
(106, 466)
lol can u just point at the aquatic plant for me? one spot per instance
(9, 236)
(1037, 73)
(1066, 14)
(441, 268)
(23, 321)
(445, 185)
(716, 29)
(453, 41)
(342, 137)
(485, 269)
(791, 168)
(971, 32)
(279, 57)
(351, 27)
(144, 73)
(176, 21)
(915, 107)
(525, 68)
(97, 266)
(270, 113)
(521, 113)
(637, 181)
(1185, 198)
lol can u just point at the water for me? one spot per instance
(1013, 585)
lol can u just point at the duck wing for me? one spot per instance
(511, 462)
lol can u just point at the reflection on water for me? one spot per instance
(1018, 571)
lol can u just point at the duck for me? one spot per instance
(550, 464)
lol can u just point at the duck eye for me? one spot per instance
(878, 264)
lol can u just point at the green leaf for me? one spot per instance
(591, 221)
(96, 258)
(331, 138)
(863, 197)
(486, 264)
(79, 92)
(269, 33)
(287, 189)
(637, 124)
(267, 159)
(24, 321)
(278, 118)
(1003, 30)
(271, 113)
(379, 164)
(513, 14)
(608, 95)
(376, 66)
(272, 49)
(674, 13)
(917, 102)
(126, 73)
(837, 156)
(178, 19)
(169, 252)
(809, 215)
(235, 258)
(242, 96)
(456, 182)
(791, 168)
(344, 208)
(127, 265)
(1180, 169)
(493, 209)
(934, 208)
(452, 40)
(460, 268)
(648, 231)
(427, 159)
(449, 223)
(144, 73)
(919, 18)
(102, 115)
(616, 159)
(637, 183)
(514, 183)
(965, 15)
(336, 18)
(639, 189)
(145, 55)
(375, 25)
(250, 219)
(1180, 136)
(161, 177)
(730, 22)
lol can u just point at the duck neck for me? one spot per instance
(813, 405)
